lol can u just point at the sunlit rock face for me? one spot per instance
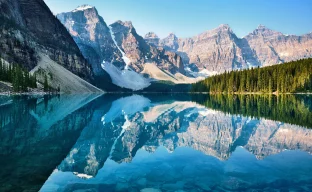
(140, 52)
(220, 49)
(118, 43)
(152, 39)
(272, 47)
(216, 50)
(92, 35)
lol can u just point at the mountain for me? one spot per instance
(123, 54)
(218, 50)
(151, 38)
(212, 51)
(139, 52)
(92, 36)
(31, 35)
(273, 47)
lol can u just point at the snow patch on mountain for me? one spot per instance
(126, 78)
(82, 8)
(202, 73)
(124, 57)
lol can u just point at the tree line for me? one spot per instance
(295, 76)
(288, 108)
(20, 78)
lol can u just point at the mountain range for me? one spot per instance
(179, 60)
(218, 50)
(79, 52)
(128, 59)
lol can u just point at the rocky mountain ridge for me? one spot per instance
(218, 50)
(29, 30)
(92, 36)
(119, 50)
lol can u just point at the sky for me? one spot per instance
(187, 18)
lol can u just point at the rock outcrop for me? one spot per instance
(117, 51)
(152, 39)
(92, 36)
(272, 47)
(139, 52)
(29, 28)
(220, 49)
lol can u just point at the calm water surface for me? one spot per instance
(156, 142)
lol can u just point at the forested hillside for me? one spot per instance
(20, 78)
(289, 77)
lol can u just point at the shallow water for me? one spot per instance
(156, 142)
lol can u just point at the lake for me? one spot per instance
(156, 142)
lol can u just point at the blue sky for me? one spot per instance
(187, 18)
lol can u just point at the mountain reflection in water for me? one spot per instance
(171, 142)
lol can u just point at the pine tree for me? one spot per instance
(45, 84)
(270, 86)
(289, 77)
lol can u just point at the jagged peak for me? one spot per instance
(220, 28)
(124, 23)
(171, 36)
(151, 35)
(224, 26)
(260, 26)
(83, 8)
(264, 31)
(261, 29)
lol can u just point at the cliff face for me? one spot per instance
(29, 28)
(220, 49)
(118, 43)
(119, 55)
(92, 36)
(152, 39)
(215, 51)
(272, 47)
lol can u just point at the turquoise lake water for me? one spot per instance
(156, 142)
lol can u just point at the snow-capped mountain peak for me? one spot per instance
(83, 7)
